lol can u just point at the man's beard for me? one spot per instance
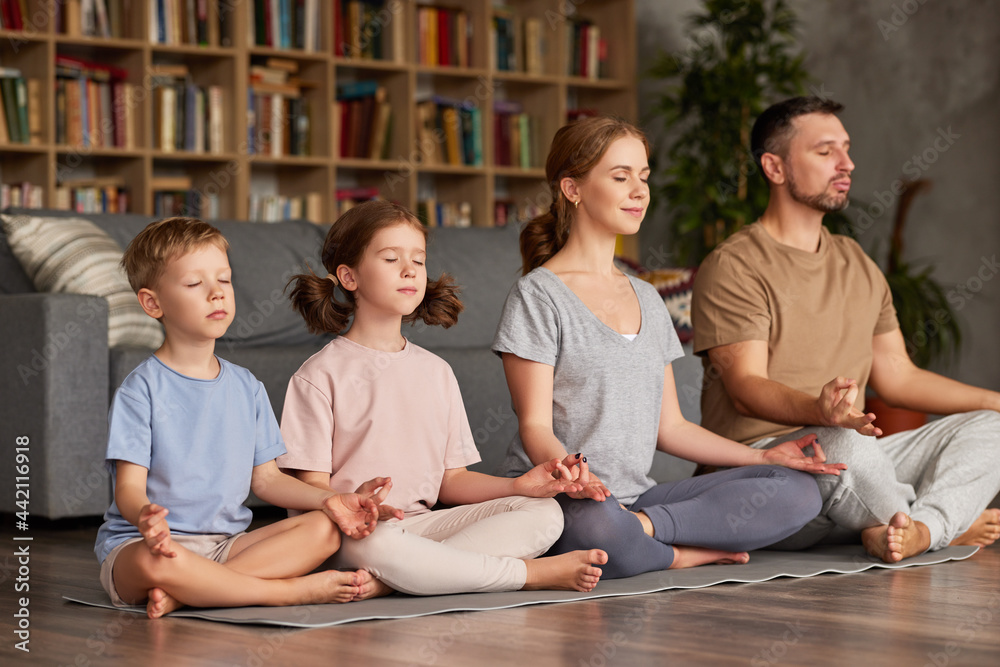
(822, 202)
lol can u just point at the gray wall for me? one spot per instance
(906, 80)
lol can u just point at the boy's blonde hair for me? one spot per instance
(147, 255)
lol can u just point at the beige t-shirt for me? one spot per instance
(360, 413)
(817, 311)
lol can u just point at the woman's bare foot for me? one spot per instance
(158, 603)
(573, 571)
(901, 538)
(370, 587)
(983, 532)
(329, 586)
(694, 556)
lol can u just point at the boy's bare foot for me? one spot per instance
(694, 556)
(983, 532)
(329, 586)
(573, 571)
(901, 538)
(370, 587)
(158, 603)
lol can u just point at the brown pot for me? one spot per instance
(893, 420)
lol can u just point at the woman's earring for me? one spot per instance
(577, 203)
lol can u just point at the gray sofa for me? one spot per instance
(59, 374)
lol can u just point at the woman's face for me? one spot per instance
(615, 194)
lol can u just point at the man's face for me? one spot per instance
(818, 169)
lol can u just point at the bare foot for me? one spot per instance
(573, 571)
(329, 586)
(370, 587)
(983, 532)
(901, 538)
(695, 556)
(158, 603)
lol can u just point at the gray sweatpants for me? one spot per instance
(943, 474)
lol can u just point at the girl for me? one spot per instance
(372, 400)
(587, 353)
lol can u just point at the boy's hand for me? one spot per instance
(377, 489)
(155, 531)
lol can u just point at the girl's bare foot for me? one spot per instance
(983, 532)
(573, 571)
(901, 538)
(158, 603)
(685, 557)
(329, 586)
(370, 587)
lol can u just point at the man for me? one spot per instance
(793, 322)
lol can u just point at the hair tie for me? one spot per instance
(333, 279)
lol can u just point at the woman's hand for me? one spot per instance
(591, 486)
(789, 454)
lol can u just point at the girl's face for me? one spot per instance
(391, 277)
(615, 194)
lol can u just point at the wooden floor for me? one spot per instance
(937, 615)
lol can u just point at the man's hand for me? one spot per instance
(836, 407)
(789, 454)
(155, 531)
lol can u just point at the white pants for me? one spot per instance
(467, 549)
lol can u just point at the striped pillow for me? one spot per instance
(74, 256)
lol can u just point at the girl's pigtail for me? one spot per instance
(316, 300)
(441, 304)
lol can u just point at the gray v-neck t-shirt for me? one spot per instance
(606, 390)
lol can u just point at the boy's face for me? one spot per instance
(194, 296)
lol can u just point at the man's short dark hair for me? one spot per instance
(773, 128)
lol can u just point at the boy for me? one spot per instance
(193, 433)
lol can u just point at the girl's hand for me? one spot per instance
(541, 481)
(355, 514)
(590, 486)
(377, 489)
(155, 531)
(789, 454)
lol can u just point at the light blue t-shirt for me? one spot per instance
(199, 440)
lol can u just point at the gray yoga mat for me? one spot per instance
(763, 565)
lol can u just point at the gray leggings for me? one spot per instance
(943, 474)
(735, 510)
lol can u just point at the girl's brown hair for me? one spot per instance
(576, 149)
(316, 298)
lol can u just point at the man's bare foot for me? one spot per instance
(901, 538)
(329, 586)
(370, 587)
(573, 571)
(158, 603)
(983, 532)
(695, 556)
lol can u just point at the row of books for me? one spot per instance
(369, 29)
(13, 14)
(20, 108)
(91, 18)
(96, 195)
(286, 24)
(348, 198)
(363, 120)
(176, 196)
(174, 22)
(94, 105)
(516, 44)
(450, 132)
(444, 37)
(278, 114)
(513, 136)
(588, 51)
(508, 212)
(434, 213)
(186, 116)
(22, 195)
(275, 208)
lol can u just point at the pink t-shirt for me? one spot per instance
(360, 413)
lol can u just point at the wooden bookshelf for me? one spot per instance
(386, 48)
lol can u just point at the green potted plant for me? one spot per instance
(743, 56)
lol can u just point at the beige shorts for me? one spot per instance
(212, 546)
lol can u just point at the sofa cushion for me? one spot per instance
(73, 256)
